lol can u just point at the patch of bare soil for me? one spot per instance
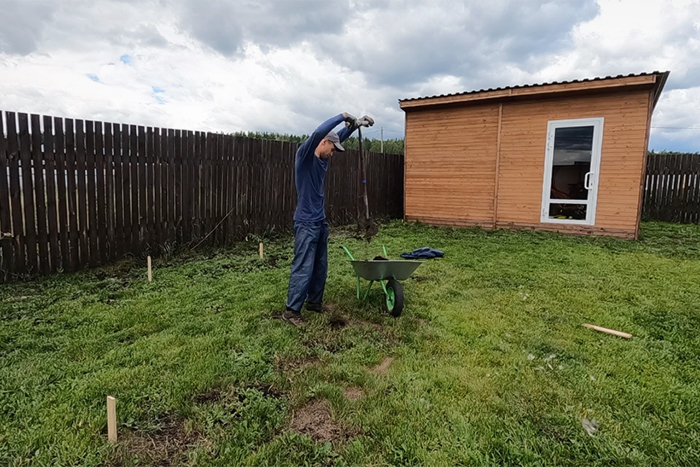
(268, 390)
(164, 447)
(377, 327)
(353, 394)
(331, 307)
(213, 396)
(292, 364)
(383, 367)
(331, 341)
(315, 421)
(337, 321)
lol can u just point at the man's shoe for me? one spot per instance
(293, 318)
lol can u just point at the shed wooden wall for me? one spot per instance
(450, 165)
(452, 155)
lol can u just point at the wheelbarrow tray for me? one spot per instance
(377, 270)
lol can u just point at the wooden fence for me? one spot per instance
(672, 188)
(77, 193)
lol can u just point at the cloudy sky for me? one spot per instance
(286, 65)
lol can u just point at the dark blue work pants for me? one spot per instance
(310, 265)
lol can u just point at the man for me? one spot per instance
(310, 265)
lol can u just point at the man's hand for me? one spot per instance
(350, 120)
(355, 123)
(366, 121)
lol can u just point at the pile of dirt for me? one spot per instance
(315, 421)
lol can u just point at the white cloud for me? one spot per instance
(676, 121)
(274, 65)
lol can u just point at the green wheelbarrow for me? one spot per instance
(381, 270)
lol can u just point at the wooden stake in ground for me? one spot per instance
(150, 274)
(111, 419)
(608, 331)
(260, 248)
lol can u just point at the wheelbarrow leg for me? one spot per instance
(359, 289)
(369, 287)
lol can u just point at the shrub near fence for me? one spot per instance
(77, 193)
(672, 188)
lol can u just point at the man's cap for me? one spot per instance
(332, 136)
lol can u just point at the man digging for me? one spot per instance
(307, 281)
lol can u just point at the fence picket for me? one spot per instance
(196, 198)
(187, 186)
(109, 251)
(216, 186)
(170, 187)
(71, 188)
(61, 193)
(90, 163)
(157, 195)
(142, 162)
(206, 183)
(39, 194)
(28, 193)
(230, 185)
(162, 150)
(81, 171)
(119, 185)
(177, 185)
(693, 217)
(134, 191)
(18, 240)
(5, 216)
(101, 214)
(150, 196)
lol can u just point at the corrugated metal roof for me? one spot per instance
(586, 80)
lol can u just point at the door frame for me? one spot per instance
(597, 123)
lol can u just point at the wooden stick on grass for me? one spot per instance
(150, 274)
(261, 250)
(608, 331)
(111, 419)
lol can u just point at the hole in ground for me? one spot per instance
(336, 321)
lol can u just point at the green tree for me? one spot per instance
(391, 146)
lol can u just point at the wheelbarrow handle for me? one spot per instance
(348, 252)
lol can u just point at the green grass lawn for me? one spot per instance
(488, 365)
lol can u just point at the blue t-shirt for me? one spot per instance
(310, 172)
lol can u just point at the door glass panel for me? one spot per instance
(568, 211)
(573, 150)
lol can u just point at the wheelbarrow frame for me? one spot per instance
(387, 273)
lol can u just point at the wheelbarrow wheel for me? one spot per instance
(394, 297)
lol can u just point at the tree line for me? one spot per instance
(390, 146)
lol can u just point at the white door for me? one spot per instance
(572, 162)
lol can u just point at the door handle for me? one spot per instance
(587, 181)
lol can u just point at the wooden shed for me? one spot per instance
(563, 156)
